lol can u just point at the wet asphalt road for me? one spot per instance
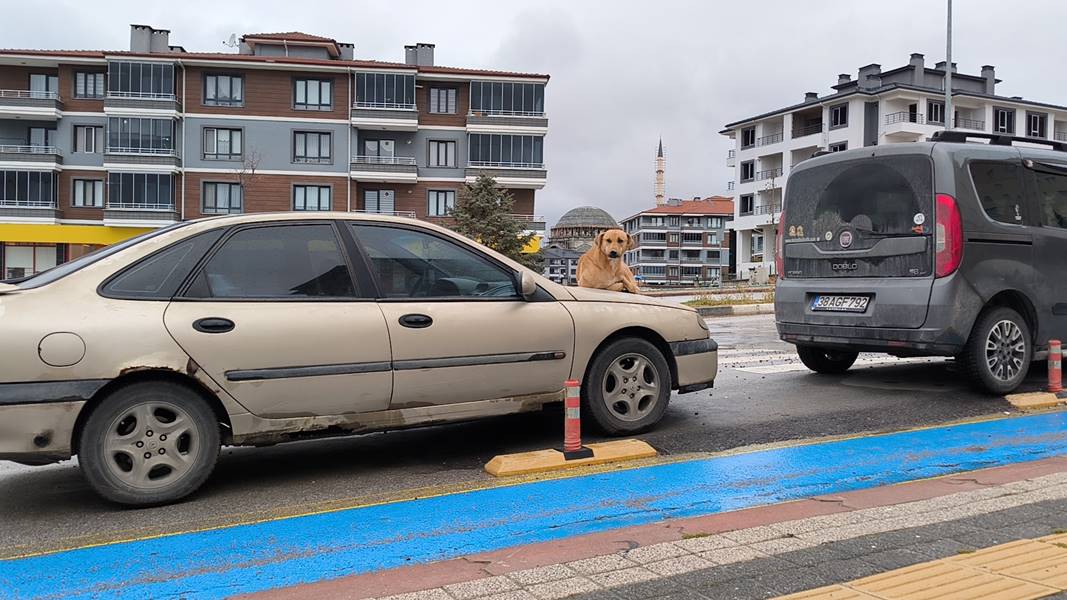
(46, 506)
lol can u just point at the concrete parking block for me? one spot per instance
(1033, 400)
(541, 461)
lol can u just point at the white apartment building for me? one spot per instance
(905, 104)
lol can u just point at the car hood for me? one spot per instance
(7, 287)
(593, 295)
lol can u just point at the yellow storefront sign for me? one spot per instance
(98, 235)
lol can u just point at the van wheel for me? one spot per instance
(627, 387)
(149, 443)
(997, 355)
(826, 361)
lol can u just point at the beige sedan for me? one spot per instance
(144, 357)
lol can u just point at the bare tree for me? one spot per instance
(247, 173)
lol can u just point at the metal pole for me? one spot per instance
(949, 117)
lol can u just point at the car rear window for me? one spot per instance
(873, 197)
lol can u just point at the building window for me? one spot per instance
(441, 202)
(502, 98)
(88, 85)
(673, 221)
(313, 94)
(379, 201)
(311, 197)
(140, 136)
(222, 144)
(1036, 125)
(838, 116)
(312, 147)
(43, 85)
(140, 191)
(140, 80)
(222, 198)
(748, 137)
(224, 90)
(88, 138)
(1003, 120)
(748, 171)
(443, 101)
(42, 137)
(491, 150)
(442, 153)
(88, 193)
(673, 238)
(935, 112)
(385, 90)
(23, 260)
(748, 204)
(838, 147)
(28, 189)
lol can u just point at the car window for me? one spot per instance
(413, 264)
(1052, 198)
(160, 275)
(1000, 190)
(277, 262)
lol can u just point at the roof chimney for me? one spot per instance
(160, 42)
(843, 78)
(811, 96)
(424, 54)
(865, 76)
(347, 50)
(918, 65)
(989, 73)
(410, 55)
(140, 38)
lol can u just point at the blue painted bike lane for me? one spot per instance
(298, 550)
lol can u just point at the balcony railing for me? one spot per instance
(731, 154)
(767, 140)
(384, 105)
(904, 117)
(17, 203)
(141, 95)
(31, 149)
(389, 213)
(1060, 135)
(729, 186)
(504, 165)
(30, 94)
(769, 173)
(974, 124)
(528, 218)
(507, 113)
(148, 151)
(154, 206)
(768, 209)
(383, 160)
(807, 130)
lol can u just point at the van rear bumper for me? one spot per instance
(912, 342)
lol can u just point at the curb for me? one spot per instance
(541, 461)
(736, 309)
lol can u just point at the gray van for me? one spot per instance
(941, 248)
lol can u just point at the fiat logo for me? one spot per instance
(845, 239)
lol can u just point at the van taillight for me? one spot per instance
(948, 236)
(779, 245)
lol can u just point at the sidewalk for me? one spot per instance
(782, 549)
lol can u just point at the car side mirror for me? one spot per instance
(527, 285)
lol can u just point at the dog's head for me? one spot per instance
(614, 242)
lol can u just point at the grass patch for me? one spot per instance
(693, 536)
(966, 551)
(721, 300)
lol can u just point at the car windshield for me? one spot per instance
(61, 271)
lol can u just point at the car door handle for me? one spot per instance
(213, 325)
(416, 321)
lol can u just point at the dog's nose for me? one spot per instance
(614, 254)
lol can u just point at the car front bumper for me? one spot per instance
(698, 363)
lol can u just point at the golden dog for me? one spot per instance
(602, 266)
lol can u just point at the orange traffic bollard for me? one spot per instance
(1055, 367)
(572, 423)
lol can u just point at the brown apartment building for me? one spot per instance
(682, 242)
(98, 146)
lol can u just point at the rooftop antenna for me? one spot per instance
(232, 42)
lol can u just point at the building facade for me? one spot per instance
(905, 104)
(578, 227)
(97, 146)
(682, 242)
(561, 264)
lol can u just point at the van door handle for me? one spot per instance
(416, 321)
(213, 325)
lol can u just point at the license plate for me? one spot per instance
(840, 303)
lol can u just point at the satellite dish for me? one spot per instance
(232, 42)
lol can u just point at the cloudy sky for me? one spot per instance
(623, 72)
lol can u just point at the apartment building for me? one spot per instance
(98, 146)
(561, 264)
(905, 104)
(681, 242)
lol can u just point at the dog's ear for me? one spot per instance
(633, 242)
(599, 239)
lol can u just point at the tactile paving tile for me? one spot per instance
(831, 592)
(948, 581)
(1039, 562)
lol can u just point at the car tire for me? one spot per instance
(1001, 336)
(825, 360)
(149, 443)
(632, 406)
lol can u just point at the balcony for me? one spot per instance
(385, 169)
(49, 155)
(806, 130)
(769, 173)
(533, 222)
(769, 140)
(973, 124)
(509, 174)
(1060, 136)
(407, 214)
(385, 116)
(908, 126)
(730, 186)
(140, 103)
(30, 210)
(139, 214)
(768, 209)
(27, 104)
(120, 155)
(731, 158)
(506, 121)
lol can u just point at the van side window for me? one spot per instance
(1000, 190)
(1052, 198)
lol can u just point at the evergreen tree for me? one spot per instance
(484, 212)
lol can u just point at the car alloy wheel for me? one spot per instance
(1005, 350)
(151, 445)
(631, 387)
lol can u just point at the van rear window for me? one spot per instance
(1000, 189)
